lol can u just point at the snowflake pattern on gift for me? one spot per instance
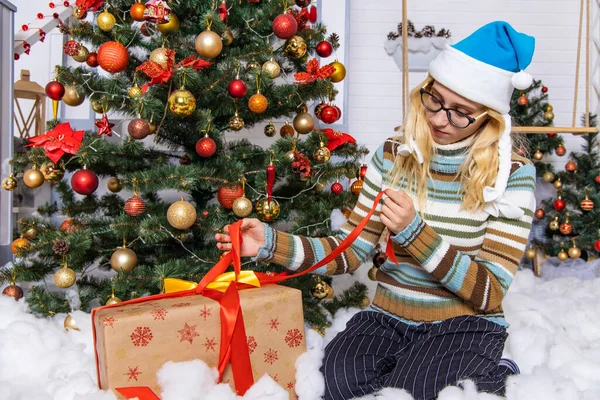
(181, 304)
(141, 336)
(274, 324)
(293, 338)
(205, 312)
(251, 344)
(109, 321)
(188, 333)
(274, 377)
(132, 374)
(271, 356)
(159, 313)
(290, 385)
(210, 344)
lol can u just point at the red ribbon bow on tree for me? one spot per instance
(336, 138)
(88, 5)
(60, 140)
(302, 17)
(158, 74)
(313, 72)
(223, 12)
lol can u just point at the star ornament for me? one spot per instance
(104, 126)
(58, 141)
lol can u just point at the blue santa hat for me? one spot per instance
(486, 66)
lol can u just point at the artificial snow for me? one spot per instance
(554, 337)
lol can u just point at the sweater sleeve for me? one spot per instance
(484, 279)
(297, 253)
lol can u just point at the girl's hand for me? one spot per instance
(398, 210)
(253, 237)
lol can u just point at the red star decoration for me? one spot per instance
(104, 126)
(188, 333)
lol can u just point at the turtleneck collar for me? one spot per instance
(448, 157)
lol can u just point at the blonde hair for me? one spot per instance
(479, 169)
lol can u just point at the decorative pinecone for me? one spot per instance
(60, 247)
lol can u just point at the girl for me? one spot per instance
(459, 208)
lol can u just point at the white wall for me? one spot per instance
(375, 90)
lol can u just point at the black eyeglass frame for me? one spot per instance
(471, 120)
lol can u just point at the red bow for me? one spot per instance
(87, 5)
(313, 72)
(195, 62)
(336, 138)
(62, 139)
(223, 12)
(158, 74)
(302, 17)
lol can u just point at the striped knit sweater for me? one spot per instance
(451, 262)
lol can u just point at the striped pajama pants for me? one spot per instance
(377, 351)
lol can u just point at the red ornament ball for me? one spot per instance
(559, 204)
(597, 245)
(13, 291)
(137, 11)
(544, 89)
(146, 29)
(560, 150)
(551, 135)
(523, 100)
(237, 88)
(55, 90)
(329, 115)
(138, 128)
(571, 166)
(337, 188)
(598, 179)
(285, 26)
(339, 112)
(586, 204)
(71, 48)
(324, 49)
(84, 182)
(135, 206)
(566, 228)
(70, 225)
(539, 213)
(92, 59)
(113, 57)
(226, 195)
(320, 107)
(206, 147)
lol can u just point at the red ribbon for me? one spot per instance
(233, 335)
(86, 5)
(158, 74)
(223, 12)
(60, 140)
(313, 72)
(336, 138)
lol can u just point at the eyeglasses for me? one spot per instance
(456, 118)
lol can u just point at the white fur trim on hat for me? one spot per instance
(405, 150)
(475, 80)
(496, 202)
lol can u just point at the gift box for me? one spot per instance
(134, 339)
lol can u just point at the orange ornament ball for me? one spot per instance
(560, 150)
(571, 166)
(113, 57)
(137, 11)
(258, 103)
(18, 245)
(226, 195)
(70, 225)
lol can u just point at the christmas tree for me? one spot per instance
(185, 72)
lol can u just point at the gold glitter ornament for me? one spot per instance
(322, 154)
(181, 214)
(160, 56)
(52, 172)
(64, 277)
(322, 290)
(236, 123)
(270, 130)
(242, 207)
(135, 91)
(9, 183)
(106, 21)
(267, 210)
(271, 69)
(182, 103)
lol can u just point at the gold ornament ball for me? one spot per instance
(372, 274)
(538, 155)
(554, 225)
(227, 37)
(558, 184)
(340, 72)
(72, 97)
(169, 27)
(123, 259)
(9, 183)
(99, 107)
(549, 108)
(135, 91)
(242, 207)
(114, 184)
(267, 211)
(106, 21)
(321, 155)
(258, 103)
(562, 255)
(79, 13)
(33, 178)
(52, 172)
(30, 233)
(322, 290)
(182, 103)
(236, 123)
(82, 54)
(271, 69)
(548, 177)
(253, 66)
(181, 215)
(548, 115)
(356, 187)
(270, 130)
(69, 323)
(574, 252)
(13, 291)
(152, 127)
(295, 47)
(160, 57)
(209, 44)
(290, 155)
(319, 186)
(64, 277)
(530, 253)
(304, 123)
(113, 300)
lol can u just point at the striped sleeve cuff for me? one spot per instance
(266, 251)
(408, 235)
